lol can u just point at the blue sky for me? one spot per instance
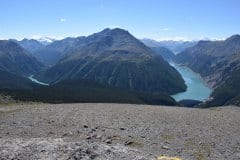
(156, 19)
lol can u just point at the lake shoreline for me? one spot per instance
(197, 88)
(204, 80)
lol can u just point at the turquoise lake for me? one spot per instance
(196, 88)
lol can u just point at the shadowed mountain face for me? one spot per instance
(116, 58)
(213, 60)
(164, 52)
(16, 60)
(53, 52)
(227, 93)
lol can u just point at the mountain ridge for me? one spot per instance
(116, 58)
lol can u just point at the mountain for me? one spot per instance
(164, 52)
(30, 45)
(16, 60)
(175, 46)
(116, 58)
(214, 60)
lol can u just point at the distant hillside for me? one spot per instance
(16, 60)
(175, 46)
(164, 52)
(72, 91)
(115, 58)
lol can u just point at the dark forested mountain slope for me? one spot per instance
(72, 91)
(214, 60)
(14, 59)
(12, 81)
(227, 93)
(116, 58)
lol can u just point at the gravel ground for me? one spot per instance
(118, 131)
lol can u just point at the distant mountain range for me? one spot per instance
(30, 45)
(175, 46)
(113, 60)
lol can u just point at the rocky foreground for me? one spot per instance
(118, 131)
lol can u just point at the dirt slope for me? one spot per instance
(118, 131)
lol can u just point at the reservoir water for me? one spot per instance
(36, 81)
(196, 88)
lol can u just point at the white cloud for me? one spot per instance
(63, 19)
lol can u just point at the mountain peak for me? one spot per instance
(113, 31)
(233, 38)
(119, 30)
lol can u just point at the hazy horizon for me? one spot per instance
(47, 38)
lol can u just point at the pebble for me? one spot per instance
(50, 132)
(92, 154)
(98, 136)
(108, 141)
(165, 147)
(128, 143)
